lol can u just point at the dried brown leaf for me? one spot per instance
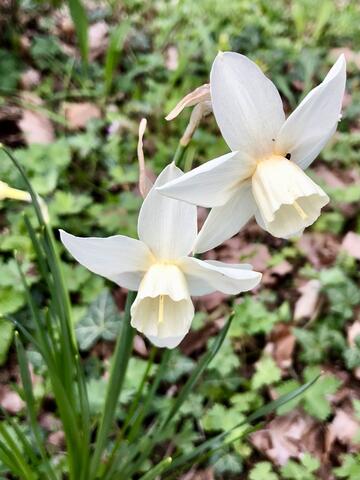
(30, 79)
(351, 245)
(171, 58)
(344, 427)
(10, 400)
(306, 305)
(79, 114)
(320, 249)
(281, 345)
(290, 436)
(34, 123)
(98, 39)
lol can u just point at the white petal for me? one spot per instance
(261, 222)
(164, 279)
(163, 310)
(287, 199)
(167, 226)
(311, 125)
(168, 342)
(246, 104)
(121, 259)
(175, 321)
(225, 221)
(213, 183)
(204, 277)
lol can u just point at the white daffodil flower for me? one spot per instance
(263, 175)
(158, 266)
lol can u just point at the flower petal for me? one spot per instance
(225, 221)
(204, 277)
(167, 226)
(121, 259)
(246, 104)
(163, 279)
(167, 342)
(213, 183)
(287, 199)
(175, 321)
(310, 126)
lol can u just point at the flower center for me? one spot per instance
(299, 210)
(161, 309)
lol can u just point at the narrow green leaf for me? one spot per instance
(113, 53)
(271, 406)
(116, 455)
(118, 369)
(203, 363)
(6, 336)
(30, 404)
(8, 459)
(157, 470)
(136, 401)
(16, 454)
(134, 432)
(79, 17)
(23, 441)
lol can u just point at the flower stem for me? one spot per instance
(117, 375)
(179, 154)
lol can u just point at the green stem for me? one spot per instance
(179, 153)
(159, 468)
(130, 416)
(150, 396)
(135, 403)
(118, 370)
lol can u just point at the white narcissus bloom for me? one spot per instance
(263, 174)
(158, 265)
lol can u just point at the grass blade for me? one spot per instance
(159, 468)
(113, 53)
(30, 404)
(26, 445)
(134, 432)
(118, 369)
(8, 459)
(194, 377)
(79, 17)
(12, 451)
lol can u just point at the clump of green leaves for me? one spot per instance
(350, 468)
(305, 470)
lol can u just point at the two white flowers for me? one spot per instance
(262, 176)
